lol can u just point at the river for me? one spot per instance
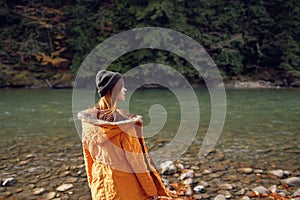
(261, 130)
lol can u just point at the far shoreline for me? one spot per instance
(231, 84)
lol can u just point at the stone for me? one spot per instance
(225, 186)
(64, 168)
(5, 194)
(283, 193)
(50, 195)
(38, 191)
(195, 168)
(189, 191)
(206, 196)
(260, 190)
(227, 194)
(240, 192)
(166, 182)
(179, 166)
(188, 181)
(297, 198)
(272, 188)
(292, 181)
(245, 198)
(187, 174)
(84, 198)
(287, 173)
(168, 168)
(18, 190)
(279, 173)
(34, 180)
(215, 175)
(28, 156)
(9, 182)
(197, 196)
(258, 171)
(296, 193)
(3, 167)
(23, 162)
(199, 188)
(207, 171)
(65, 173)
(64, 187)
(220, 197)
(31, 186)
(245, 170)
(72, 180)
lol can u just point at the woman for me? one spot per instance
(116, 157)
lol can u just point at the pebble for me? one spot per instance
(207, 171)
(168, 168)
(65, 173)
(245, 198)
(272, 188)
(227, 194)
(166, 182)
(220, 197)
(260, 190)
(199, 188)
(29, 156)
(18, 190)
(283, 193)
(195, 168)
(84, 198)
(258, 171)
(50, 195)
(287, 173)
(72, 180)
(197, 196)
(5, 194)
(9, 182)
(187, 174)
(246, 170)
(64, 187)
(3, 167)
(225, 186)
(279, 173)
(297, 192)
(31, 186)
(292, 181)
(188, 181)
(24, 162)
(179, 166)
(241, 192)
(38, 191)
(189, 191)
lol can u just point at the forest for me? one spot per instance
(43, 43)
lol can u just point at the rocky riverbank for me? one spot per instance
(65, 79)
(45, 167)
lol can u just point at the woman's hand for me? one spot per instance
(154, 197)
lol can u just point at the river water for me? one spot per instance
(41, 147)
(255, 119)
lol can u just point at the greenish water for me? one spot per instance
(259, 114)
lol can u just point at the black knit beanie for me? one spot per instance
(106, 80)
